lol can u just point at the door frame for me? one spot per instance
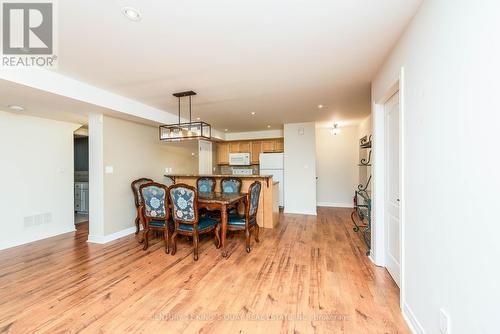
(379, 183)
(201, 162)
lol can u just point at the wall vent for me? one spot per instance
(43, 218)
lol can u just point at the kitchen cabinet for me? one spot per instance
(279, 145)
(222, 153)
(244, 147)
(268, 145)
(234, 147)
(256, 150)
(254, 147)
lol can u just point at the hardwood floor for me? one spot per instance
(309, 275)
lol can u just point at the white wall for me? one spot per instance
(37, 198)
(336, 166)
(450, 55)
(365, 127)
(254, 135)
(300, 168)
(134, 151)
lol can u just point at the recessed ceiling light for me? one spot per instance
(225, 130)
(16, 107)
(268, 126)
(198, 118)
(131, 13)
(320, 106)
(253, 112)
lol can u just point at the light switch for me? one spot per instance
(108, 169)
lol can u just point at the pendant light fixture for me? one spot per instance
(184, 131)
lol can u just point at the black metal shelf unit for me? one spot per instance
(362, 199)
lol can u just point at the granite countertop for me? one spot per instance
(220, 175)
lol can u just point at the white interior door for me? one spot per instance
(392, 219)
(205, 157)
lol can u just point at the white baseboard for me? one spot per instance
(103, 239)
(10, 244)
(310, 213)
(411, 320)
(335, 205)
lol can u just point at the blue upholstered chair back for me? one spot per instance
(231, 185)
(184, 203)
(205, 184)
(155, 198)
(254, 198)
(136, 185)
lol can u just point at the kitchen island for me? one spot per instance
(265, 217)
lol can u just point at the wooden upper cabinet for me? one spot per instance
(223, 153)
(254, 147)
(279, 145)
(268, 145)
(244, 147)
(234, 147)
(256, 150)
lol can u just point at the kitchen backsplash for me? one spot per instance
(225, 169)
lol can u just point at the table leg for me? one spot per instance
(223, 214)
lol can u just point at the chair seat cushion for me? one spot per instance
(203, 223)
(159, 223)
(235, 219)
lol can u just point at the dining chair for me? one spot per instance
(155, 212)
(231, 185)
(205, 184)
(136, 184)
(248, 221)
(186, 218)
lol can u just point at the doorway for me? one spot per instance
(392, 221)
(205, 157)
(81, 175)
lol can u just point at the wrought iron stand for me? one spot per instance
(362, 201)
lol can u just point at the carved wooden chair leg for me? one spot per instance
(174, 243)
(167, 241)
(217, 237)
(196, 242)
(137, 227)
(247, 239)
(256, 233)
(146, 237)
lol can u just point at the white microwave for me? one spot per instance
(239, 159)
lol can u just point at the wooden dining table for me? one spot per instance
(220, 202)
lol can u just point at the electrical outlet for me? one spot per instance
(444, 322)
(109, 169)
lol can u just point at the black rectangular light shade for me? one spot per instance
(183, 131)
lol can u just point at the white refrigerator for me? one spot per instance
(272, 164)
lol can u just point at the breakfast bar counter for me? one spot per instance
(265, 210)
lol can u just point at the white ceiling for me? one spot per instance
(40, 103)
(279, 59)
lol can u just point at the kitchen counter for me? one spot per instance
(265, 210)
(221, 175)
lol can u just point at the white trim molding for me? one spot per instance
(335, 205)
(411, 320)
(16, 243)
(292, 212)
(266, 134)
(99, 239)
